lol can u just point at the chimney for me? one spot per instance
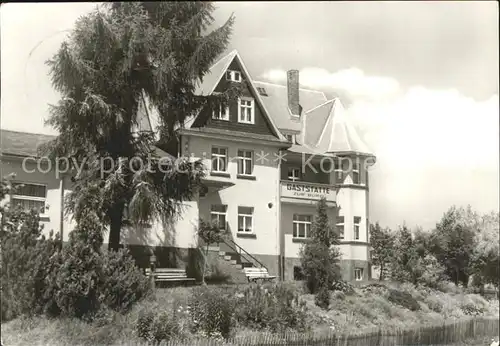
(293, 91)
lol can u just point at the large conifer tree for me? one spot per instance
(320, 255)
(114, 58)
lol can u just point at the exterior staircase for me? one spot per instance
(238, 260)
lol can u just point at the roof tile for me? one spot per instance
(277, 104)
(22, 143)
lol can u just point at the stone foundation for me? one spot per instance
(290, 264)
(271, 262)
(191, 259)
(346, 267)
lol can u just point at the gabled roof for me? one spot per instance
(332, 134)
(313, 123)
(277, 104)
(212, 79)
(22, 143)
(147, 117)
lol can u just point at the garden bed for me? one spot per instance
(365, 310)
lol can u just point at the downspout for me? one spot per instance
(281, 242)
(179, 143)
(61, 211)
(367, 206)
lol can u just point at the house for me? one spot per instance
(269, 157)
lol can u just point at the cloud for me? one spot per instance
(432, 127)
(352, 81)
(440, 127)
(434, 148)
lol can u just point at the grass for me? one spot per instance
(367, 308)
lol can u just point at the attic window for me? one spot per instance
(262, 91)
(233, 76)
(297, 116)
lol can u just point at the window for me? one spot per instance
(203, 191)
(218, 215)
(246, 111)
(293, 173)
(358, 274)
(301, 226)
(289, 138)
(357, 221)
(298, 273)
(339, 172)
(245, 162)
(245, 219)
(340, 227)
(222, 114)
(233, 76)
(355, 173)
(219, 159)
(262, 91)
(29, 196)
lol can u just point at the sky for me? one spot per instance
(418, 79)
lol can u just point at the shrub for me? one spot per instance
(275, 307)
(342, 286)
(448, 287)
(434, 303)
(144, 324)
(407, 263)
(471, 309)
(338, 295)
(375, 288)
(81, 279)
(419, 293)
(322, 298)
(473, 304)
(124, 283)
(157, 328)
(433, 272)
(24, 261)
(38, 277)
(403, 299)
(217, 275)
(363, 309)
(212, 311)
(77, 272)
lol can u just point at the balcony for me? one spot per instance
(300, 191)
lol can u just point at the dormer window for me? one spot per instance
(262, 91)
(222, 114)
(293, 173)
(233, 76)
(246, 110)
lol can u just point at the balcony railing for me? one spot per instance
(308, 191)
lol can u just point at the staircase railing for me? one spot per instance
(238, 249)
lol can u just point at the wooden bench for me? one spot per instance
(172, 275)
(255, 274)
